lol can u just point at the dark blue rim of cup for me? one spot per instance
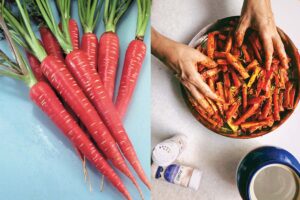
(259, 158)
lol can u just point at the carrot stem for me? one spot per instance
(89, 14)
(113, 11)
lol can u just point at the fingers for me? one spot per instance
(198, 97)
(268, 48)
(206, 61)
(204, 88)
(279, 47)
(240, 32)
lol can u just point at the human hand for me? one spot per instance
(257, 14)
(184, 61)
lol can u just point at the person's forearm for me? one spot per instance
(163, 48)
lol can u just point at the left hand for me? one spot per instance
(258, 15)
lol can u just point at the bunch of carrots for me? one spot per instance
(255, 98)
(73, 83)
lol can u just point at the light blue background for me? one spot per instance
(38, 163)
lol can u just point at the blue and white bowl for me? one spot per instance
(269, 173)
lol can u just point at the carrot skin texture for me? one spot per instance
(108, 57)
(74, 33)
(237, 65)
(61, 79)
(266, 109)
(93, 87)
(134, 57)
(44, 97)
(35, 66)
(211, 45)
(236, 81)
(276, 105)
(244, 96)
(50, 43)
(247, 114)
(89, 44)
(292, 97)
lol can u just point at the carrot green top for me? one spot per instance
(20, 70)
(22, 31)
(144, 9)
(89, 14)
(64, 7)
(113, 11)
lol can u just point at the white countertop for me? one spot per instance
(215, 155)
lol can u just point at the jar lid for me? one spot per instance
(165, 153)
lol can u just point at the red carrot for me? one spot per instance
(227, 86)
(236, 81)
(232, 110)
(61, 79)
(93, 87)
(255, 100)
(245, 53)
(247, 114)
(244, 97)
(73, 30)
(280, 100)
(228, 43)
(266, 109)
(288, 87)
(134, 58)
(35, 66)
(46, 99)
(256, 46)
(237, 65)
(276, 105)
(222, 62)
(74, 33)
(89, 13)
(89, 44)
(50, 43)
(218, 54)
(210, 45)
(292, 97)
(108, 48)
(90, 82)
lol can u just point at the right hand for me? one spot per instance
(184, 62)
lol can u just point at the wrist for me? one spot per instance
(165, 49)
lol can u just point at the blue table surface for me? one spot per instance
(39, 163)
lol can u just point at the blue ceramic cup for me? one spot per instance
(269, 173)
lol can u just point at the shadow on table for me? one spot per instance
(226, 166)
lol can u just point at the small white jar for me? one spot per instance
(168, 151)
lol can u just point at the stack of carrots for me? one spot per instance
(256, 98)
(73, 83)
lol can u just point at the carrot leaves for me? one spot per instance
(144, 9)
(63, 37)
(18, 70)
(113, 11)
(89, 14)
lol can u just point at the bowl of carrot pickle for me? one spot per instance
(256, 100)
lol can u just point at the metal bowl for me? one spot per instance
(292, 52)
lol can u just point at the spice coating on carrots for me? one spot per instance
(256, 98)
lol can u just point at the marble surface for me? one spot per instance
(215, 155)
